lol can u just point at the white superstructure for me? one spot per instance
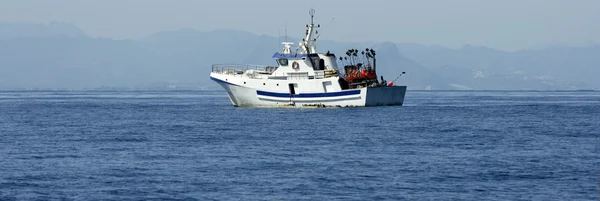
(303, 77)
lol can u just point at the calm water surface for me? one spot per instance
(194, 145)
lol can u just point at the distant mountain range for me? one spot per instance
(62, 56)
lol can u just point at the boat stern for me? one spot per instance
(384, 96)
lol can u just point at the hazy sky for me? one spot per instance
(503, 24)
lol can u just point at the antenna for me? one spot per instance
(312, 15)
(286, 36)
(325, 28)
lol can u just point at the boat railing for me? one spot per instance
(319, 74)
(297, 76)
(267, 72)
(239, 69)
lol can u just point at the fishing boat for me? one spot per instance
(307, 78)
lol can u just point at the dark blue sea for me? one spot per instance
(194, 145)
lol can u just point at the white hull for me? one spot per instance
(243, 96)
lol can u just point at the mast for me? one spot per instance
(374, 61)
(308, 42)
(308, 45)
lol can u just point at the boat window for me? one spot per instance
(282, 62)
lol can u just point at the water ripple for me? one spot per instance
(191, 145)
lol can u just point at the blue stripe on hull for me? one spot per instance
(311, 100)
(308, 95)
(221, 81)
